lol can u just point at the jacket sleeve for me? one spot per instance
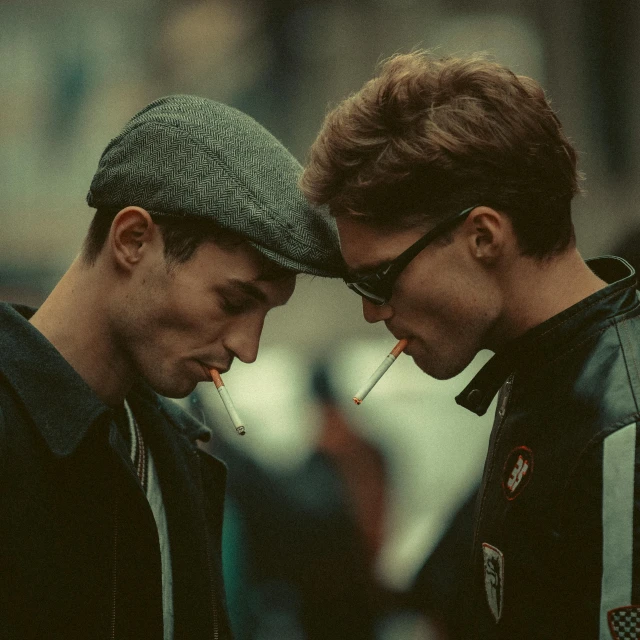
(598, 538)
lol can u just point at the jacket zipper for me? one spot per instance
(115, 564)
(501, 414)
(214, 607)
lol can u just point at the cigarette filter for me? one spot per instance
(379, 372)
(228, 403)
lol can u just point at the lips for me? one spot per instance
(396, 335)
(205, 371)
(403, 336)
(408, 349)
(207, 368)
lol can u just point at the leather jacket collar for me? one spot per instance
(557, 334)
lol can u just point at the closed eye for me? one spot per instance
(368, 270)
(233, 307)
(369, 273)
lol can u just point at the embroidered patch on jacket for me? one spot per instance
(494, 578)
(517, 472)
(624, 623)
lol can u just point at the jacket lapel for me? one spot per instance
(194, 528)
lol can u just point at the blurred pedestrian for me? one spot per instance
(451, 181)
(110, 514)
(310, 534)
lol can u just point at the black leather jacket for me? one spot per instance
(556, 550)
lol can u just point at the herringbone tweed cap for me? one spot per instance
(189, 156)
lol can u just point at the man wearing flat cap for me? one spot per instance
(110, 515)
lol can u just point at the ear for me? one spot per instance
(132, 234)
(489, 234)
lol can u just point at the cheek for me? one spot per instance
(441, 309)
(179, 321)
(183, 305)
(424, 299)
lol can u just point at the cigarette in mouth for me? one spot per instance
(379, 372)
(228, 403)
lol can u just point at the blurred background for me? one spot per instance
(342, 521)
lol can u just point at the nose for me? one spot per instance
(374, 313)
(243, 339)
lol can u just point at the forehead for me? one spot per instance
(364, 247)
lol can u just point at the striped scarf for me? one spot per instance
(137, 449)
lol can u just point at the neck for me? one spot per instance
(538, 290)
(75, 320)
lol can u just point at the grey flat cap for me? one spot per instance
(190, 156)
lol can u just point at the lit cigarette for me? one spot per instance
(228, 403)
(379, 372)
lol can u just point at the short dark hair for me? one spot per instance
(181, 236)
(431, 136)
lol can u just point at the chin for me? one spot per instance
(175, 390)
(177, 395)
(438, 368)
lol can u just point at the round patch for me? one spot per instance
(517, 472)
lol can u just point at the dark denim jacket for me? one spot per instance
(79, 552)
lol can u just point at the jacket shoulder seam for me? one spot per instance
(630, 366)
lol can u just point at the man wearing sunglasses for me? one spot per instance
(451, 181)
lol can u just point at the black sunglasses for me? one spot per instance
(377, 286)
